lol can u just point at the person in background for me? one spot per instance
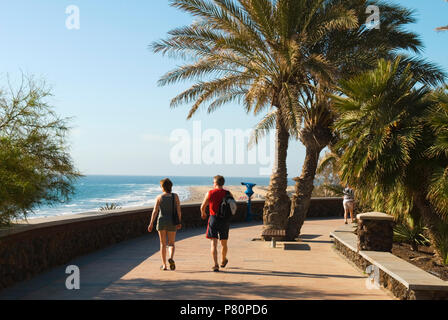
(217, 228)
(349, 203)
(167, 211)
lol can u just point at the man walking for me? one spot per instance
(217, 228)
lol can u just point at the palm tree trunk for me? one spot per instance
(303, 191)
(431, 220)
(277, 204)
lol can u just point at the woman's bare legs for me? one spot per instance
(351, 209)
(162, 236)
(171, 241)
(345, 213)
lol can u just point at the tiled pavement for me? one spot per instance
(310, 269)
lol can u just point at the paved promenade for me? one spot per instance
(310, 269)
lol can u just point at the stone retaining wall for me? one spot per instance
(375, 232)
(325, 207)
(29, 250)
(397, 288)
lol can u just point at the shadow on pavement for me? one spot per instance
(137, 289)
(270, 273)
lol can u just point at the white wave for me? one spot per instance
(145, 195)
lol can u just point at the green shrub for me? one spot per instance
(110, 207)
(36, 168)
(412, 232)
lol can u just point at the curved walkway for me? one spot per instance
(310, 269)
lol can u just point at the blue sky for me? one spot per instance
(104, 76)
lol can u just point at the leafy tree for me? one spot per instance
(250, 51)
(347, 52)
(327, 176)
(35, 167)
(394, 149)
(438, 121)
(438, 186)
(284, 57)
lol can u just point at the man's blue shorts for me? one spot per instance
(218, 228)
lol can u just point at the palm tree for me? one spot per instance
(438, 120)
(248, 51)
(328, 169)
(392, 152)
(347, 52)
(438, 188)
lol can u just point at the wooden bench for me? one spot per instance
(274, 234)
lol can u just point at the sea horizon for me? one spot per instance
(130, 191)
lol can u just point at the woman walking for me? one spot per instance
(349, 203)
(167, 211)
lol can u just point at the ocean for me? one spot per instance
(93, 192)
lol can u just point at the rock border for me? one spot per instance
(387, 279)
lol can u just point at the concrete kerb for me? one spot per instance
(414, 279)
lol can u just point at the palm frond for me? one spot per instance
(263, 127)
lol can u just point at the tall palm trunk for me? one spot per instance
(315, 138)
(303, 190)
(277, 204)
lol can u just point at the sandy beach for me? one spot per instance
(197, 193)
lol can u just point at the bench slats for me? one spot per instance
(274, 234)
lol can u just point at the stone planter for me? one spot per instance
(375, 232)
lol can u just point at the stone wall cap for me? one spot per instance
(22, 226)
(375, 216)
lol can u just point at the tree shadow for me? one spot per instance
(139, 289)
(317, 241)
(296, 247)
(309, 236)
(272, 273)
